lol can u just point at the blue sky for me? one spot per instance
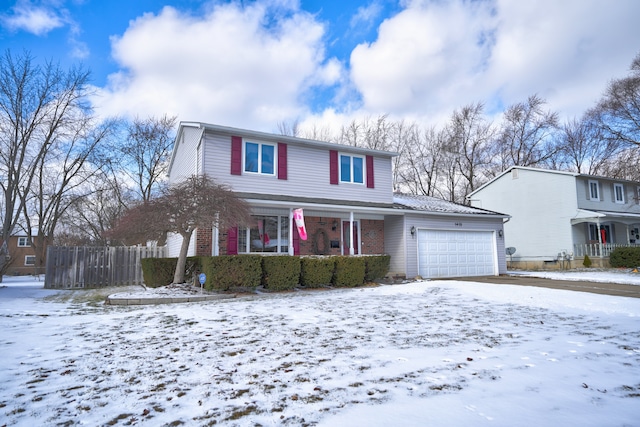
(253, 64)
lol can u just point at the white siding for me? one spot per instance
(394, 243)
(607, 202)
(184, 162)
(308, 174)
(541, 205)
(174, 241)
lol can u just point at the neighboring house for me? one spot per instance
(348, 201)
(22, 256)
(558, 217)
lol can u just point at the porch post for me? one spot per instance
(290, 238)
(628, 235)
(351, 247)
(599, 236)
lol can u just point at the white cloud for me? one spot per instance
(241, 66)
(434, 56)
(33, 19)
(366, 15)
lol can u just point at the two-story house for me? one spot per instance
(557, 216)
(22, 256)
(347, 197)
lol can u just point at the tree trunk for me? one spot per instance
(178, 276)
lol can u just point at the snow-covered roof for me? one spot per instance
(433, 204)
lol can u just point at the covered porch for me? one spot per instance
(597, 233)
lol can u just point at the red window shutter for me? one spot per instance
(296, 240)
(282, 161)
(370, 183)
(333, 167)
(232, 241)
(236, 155)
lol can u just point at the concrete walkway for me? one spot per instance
(614, 289)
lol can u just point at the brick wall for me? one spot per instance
(316, 242)
(203, 242)
(372, 236)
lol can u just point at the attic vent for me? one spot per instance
(514, 174)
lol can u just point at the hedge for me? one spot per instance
(349, 271)
(275, 273)
(316, 271)
(376, 267)
(628, 257)
(232, 271)
(158, 271)
(280, 273)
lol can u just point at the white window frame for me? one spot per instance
(619, 187)
(23, 242)
(595, 183)
(282, 235)
(352, 169)
(638, 195)
(27, 258)
(260, 166)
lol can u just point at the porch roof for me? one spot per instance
(402, 203)
(584, 215)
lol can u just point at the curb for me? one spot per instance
(169, 300)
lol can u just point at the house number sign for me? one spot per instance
(458, 224)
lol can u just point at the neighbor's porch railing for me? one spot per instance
(596, 249)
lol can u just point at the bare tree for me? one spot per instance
(46, 136)
(618, 112)
(144, 155)
(470, 136)
(527, 135)
(196, 202)
(289, 128)
(583, 148)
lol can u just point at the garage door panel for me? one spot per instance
(454, 253)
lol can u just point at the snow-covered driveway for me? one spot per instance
(426, 353)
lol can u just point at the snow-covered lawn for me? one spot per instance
(430, 353)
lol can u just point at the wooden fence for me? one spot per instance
(80, 267)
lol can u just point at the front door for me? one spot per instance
(346, 237)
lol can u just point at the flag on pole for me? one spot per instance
(298, 217)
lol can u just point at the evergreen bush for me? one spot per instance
(158, 271)
(232, 271)
(587, 261)
(349, 271)
(316, 271)
(376, 267)
(625, 257)
(280, 273)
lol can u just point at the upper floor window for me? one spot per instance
(23, 242)
(594, 190)
(259, 158)
(351, 169)
(618, 193)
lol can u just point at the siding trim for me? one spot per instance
(236, 155)
(370, 181)
(282, 161)
(333, 167)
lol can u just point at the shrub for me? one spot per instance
(316, 271)
(625, 257)
(349, 271)
(587, 261)
(158, 271)
(280, 273)
(376, 267)
(232, 271)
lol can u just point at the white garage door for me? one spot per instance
(448, 253)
